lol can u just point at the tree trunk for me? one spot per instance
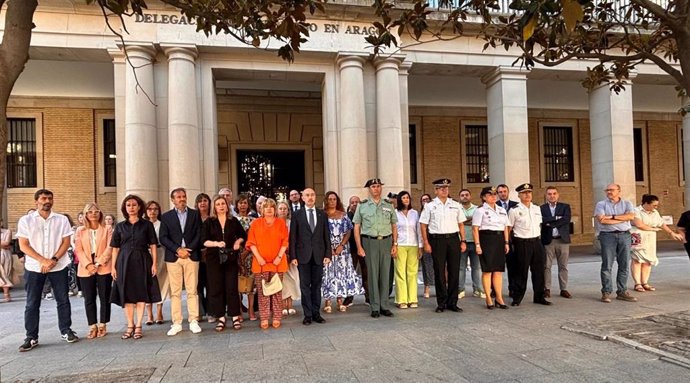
(14, 53)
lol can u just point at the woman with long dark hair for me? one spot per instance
(409, 251)
(153, 212)
(202, 203)
(340, 279)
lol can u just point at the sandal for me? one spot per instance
(137, 333)
(342, 308)
(276, 323)
(8, 298)
(236, 323)
(93, 332)
(220, 325)
(647, 287)
(264, 324)
(102, 330)
(639, 288)
(427, 291)
(327, 308)
(128, 334)
(252, 317)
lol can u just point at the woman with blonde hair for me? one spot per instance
(92, 247)
(268, 241)
(291, 289)
(222, 236)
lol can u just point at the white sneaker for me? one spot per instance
(461, 295)
(175, 329)
(194, 327)
(479, 294)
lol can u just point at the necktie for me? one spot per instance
(312, 220)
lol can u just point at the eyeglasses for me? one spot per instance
(610, 190)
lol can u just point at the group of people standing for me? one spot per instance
(293, 250)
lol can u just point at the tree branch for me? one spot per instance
(14, 49)
(659, 12)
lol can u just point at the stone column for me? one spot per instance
(389, 143)
(352, 124)
(119, 75)
(184, 157)
(140, 138)
(686, 151)
(611, 135)
(506, 104)
(209, 126)
(405, 122)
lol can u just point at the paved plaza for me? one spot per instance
(531, 343)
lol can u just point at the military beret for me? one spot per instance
(488, 190)
(524, 188)
(373, 181)
(441, 182)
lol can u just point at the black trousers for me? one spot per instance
(529, 256)
(511, 267)
(221, 288)
(202, 289)
(97, 286)
(446, 255)
(310, 278)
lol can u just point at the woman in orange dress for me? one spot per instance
(268, 240)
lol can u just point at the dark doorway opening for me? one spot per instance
(271, 173)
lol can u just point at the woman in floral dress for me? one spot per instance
(340, 279)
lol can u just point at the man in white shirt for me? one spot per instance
(525, 224)
(44, 237)
(443, 233)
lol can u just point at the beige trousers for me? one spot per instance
(184, 271)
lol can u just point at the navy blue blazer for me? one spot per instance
(549, 222)
(171, 234)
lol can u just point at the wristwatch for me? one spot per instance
(54, 259)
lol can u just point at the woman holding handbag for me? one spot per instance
(91, 245)
(268, 241)
(222, 235)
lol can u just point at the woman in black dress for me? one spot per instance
(134, 246)
(223, 235)
(490, 234)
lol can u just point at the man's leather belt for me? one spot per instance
(380, 237)
(527, 239)
(494, 232)
(616, 231)
(449, 235)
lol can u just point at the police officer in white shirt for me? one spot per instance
(525, 222)
(443, 234)
(44, 237)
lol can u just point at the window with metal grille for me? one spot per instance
(21, 153)
(558, 154)
(477, 153)
(109, 155)
(413, 153)
(638, 148)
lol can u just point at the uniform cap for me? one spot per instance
(524, 188)
(441, 182)
(392, 195)
(373, 181)
(488, 190)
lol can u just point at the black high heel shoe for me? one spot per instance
(489, 306)
(500, 306)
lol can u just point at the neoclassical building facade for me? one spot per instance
(181, 109)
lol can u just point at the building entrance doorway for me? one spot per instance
(271, 173)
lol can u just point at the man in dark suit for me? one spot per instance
(295, 201)
(180, 234)
(555, 235)
(310, 249)
(511, 266)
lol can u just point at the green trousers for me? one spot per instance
(378, 260)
